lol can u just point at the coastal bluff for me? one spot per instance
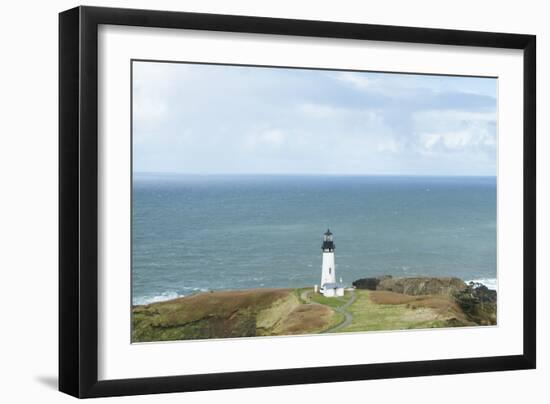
(229, 314)
(413, 285)
(373, 304)
(476, 301)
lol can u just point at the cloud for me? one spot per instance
(273, 138)
(456, 130)
(389, 145)
(452, 141)
(355, 79)
(149, 110)
(212, 119)
(319, 111)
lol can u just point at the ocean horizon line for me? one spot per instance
(167, 173)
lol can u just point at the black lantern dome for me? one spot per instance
(328, 242)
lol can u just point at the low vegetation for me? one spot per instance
(228, 314)
(270, 312)
(478, 302)
(375, 311)
(334, 302)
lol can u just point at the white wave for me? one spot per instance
(168, 295)
(157, 298)
(491, 283)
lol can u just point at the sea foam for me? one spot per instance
(167, 295)
(158, 298)
(491, 283)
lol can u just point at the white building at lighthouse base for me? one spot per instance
(332, 289)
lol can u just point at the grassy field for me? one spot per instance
(263, 312)
(379, 310)
(330, 301)
(228, 314)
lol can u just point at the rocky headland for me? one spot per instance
(478, 302)
(382, 303)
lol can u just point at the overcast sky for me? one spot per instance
(229, 119)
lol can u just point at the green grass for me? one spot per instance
(299, 291)
(334, 302)
(336, 319)
(223, 314)
(369, 316)
(263, 312)
(229, 314)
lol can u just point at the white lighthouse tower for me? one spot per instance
(329, 286)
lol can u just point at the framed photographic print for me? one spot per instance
(249, 201)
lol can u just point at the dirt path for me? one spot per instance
(348, 317)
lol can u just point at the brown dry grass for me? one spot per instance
(305, 319)
(211, 304)
(226, 314)
(443, 305)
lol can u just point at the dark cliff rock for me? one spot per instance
(368, 283)
(478, 302)
(413, 286)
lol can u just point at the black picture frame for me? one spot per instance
(78, 200)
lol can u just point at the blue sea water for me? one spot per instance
(197, 233)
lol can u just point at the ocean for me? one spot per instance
(193, 233)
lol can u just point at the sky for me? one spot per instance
(220, 119)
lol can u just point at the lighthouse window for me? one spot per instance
(329, 270)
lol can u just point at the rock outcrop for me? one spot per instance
(413, 286)
(476, 301)
(368, 283)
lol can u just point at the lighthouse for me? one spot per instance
(329, 286)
